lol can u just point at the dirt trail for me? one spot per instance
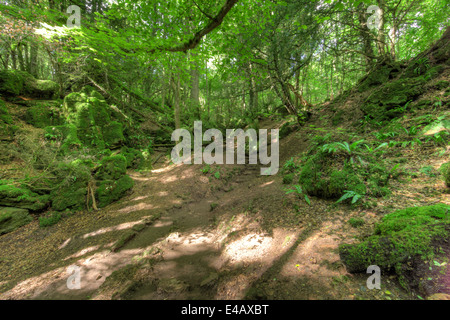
(232, 237)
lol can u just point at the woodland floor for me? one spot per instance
(233, 237)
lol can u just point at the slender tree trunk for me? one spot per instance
(381, 39)
(195, 90)
(366, 37)
(20, 57)
(177, 102)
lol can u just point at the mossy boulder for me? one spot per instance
(445, 171)
(379, 76)
(134, 157)
(66, 134)
(329, 171)
(71, 190)
(91, 115)
(109, 191)
(112, 167)
(113, 134)
(391, 99)
(398, 238)
(322, 177)
(13, 218)
(21, 197)
(15, 82)
(11, 82)
(46, 89)
(43, 114)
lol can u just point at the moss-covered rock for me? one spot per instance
(20, 197)
(113, 134)
(11, 82)
(445, 171)
(43, 114)
(13, 218)
(328, 171)
(112, 167)
(379, 76)
(71, 191)
(46, 89)
(68, 136)
(134, 157)
(320, 177)
(399, 237)
(91, 115)
(391, 99)
(109, 191)
(15, 82)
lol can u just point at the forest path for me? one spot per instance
(231, 235)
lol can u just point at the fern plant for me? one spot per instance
(373, 150)
(350, 194)
(299, 191)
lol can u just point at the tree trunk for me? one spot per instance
(195, 90)
(176, 102)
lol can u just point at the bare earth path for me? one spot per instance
(195, 236)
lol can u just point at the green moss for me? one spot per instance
(398, 238)
(109, 191)
(445, 171)
(4, 113)
(13, 218)
(112, 167)
(134, 157)
(41, 116)
(377, 77)
(346, 179)
(71, 190)
(91, 92)
(356, 222)
(319, 178)
(42, 89)
(67, 134)
(15, 82)
(19, 197)
(390, 99)
(89, 112)
(113, 134)
(288, 128)
(100, 111)
(434, 72)
(49, 220)
(11, 82)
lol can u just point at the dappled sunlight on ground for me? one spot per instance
(137, 207)
(82, 252)
(251, 247)
(122, 226)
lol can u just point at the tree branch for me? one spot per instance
(214, 23)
